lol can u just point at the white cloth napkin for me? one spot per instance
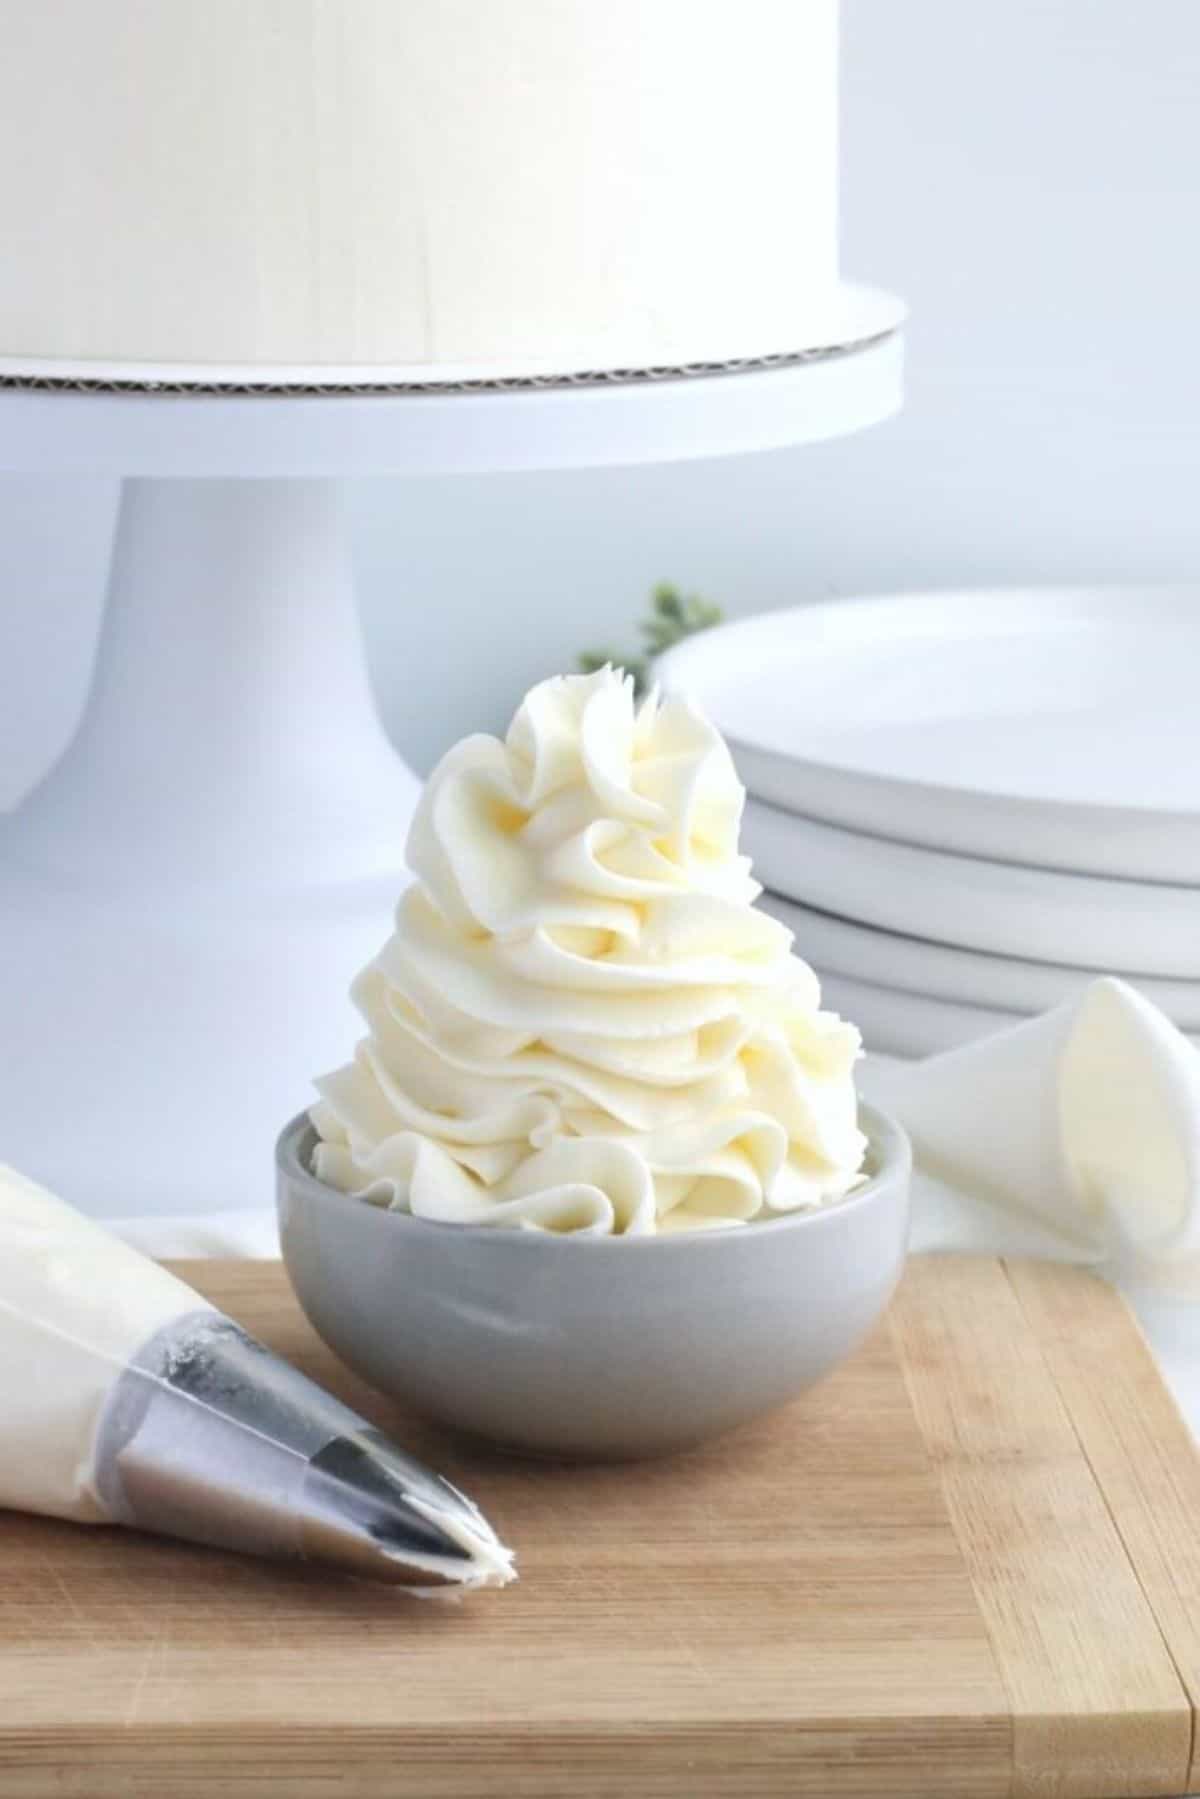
(249, 1232)
(1075, 1136)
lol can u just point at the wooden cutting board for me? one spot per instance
(969, 1564)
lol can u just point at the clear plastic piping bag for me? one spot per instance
(191, 1428)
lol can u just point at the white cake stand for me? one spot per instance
(187, 894)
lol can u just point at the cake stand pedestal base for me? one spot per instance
(187, 894)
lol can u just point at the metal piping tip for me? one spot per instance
(209, 1436)
(373, 1510)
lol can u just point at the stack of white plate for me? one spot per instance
(968, 804)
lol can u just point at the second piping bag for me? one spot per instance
(126, 1398)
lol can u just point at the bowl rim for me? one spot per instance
(886, 1137)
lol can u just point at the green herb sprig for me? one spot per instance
(672, 617)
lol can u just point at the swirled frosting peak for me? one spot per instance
(581, 1021)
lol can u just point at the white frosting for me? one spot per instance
(582, 1020)
(76, 1304)
(546, 184)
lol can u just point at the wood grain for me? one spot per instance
(1098, 1708)
(1138, 1446)
(860, 1596)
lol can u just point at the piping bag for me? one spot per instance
(126, 1398)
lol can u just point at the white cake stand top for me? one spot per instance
(72, 419)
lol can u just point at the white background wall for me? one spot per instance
(1027, 173)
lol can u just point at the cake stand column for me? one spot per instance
(187, 893)
(230, 738)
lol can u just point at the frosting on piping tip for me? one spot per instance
(582, 1022)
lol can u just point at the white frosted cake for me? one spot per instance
(503, 186)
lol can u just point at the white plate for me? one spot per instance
(1058, 727)
(1033, 913)
(835, 946)
(909, 1024)
(912, 1024)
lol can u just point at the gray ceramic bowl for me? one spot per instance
(597, 1346)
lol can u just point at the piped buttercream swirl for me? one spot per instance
(582, 1022)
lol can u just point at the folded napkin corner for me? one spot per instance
(1074, 1135)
